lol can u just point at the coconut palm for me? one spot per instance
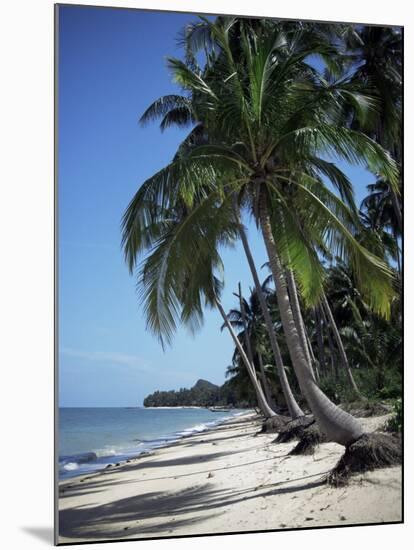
(376, 54)
(357, 325)
(267, 119)
(248, 319)
(378, 215)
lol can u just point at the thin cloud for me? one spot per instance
(113, 358)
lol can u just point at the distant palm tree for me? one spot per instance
(249, 321)
(378, 214)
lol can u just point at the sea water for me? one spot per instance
(92, 438)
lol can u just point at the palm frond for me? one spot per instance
(166, 104)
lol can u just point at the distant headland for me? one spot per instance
(202, 394)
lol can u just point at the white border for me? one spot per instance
(26, 289)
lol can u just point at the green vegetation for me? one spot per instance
(396, 422)
(202, 394)
(267, 126)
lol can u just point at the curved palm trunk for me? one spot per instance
(245, 328)
(294, 410)
(297, 315)
(267, 411)
(319, 338)
(265, 382)
(338, 425)
(340, 345)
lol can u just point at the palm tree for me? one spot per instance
(341, 348)
(369, 340)
(376, 54)
(249, 320)
(378, 215)
(267, 117)
(261, 398)
(239, 382)
(294, 409)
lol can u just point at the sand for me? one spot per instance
(226, 480)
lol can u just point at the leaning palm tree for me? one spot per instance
(267, 117)
(261, 396)
(248, 319)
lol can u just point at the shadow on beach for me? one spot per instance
(103, 521)
(163, 511)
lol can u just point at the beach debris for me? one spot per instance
(210, 475)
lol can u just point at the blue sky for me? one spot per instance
(111, 67)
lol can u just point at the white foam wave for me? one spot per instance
(106, 452)
(70, 466)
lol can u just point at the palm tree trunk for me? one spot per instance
(397, 208)
(250, 351)
(297, 315)
(245, 328)
(313, 358)
(294, 410)
(339, 343)
(397, 252)
(338, 425)
(265, 382)
(319, 338)
(332, 351)
(267, 411)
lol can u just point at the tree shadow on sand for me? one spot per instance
(99, 482)
(168, 510)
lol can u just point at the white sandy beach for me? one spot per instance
(222, 481)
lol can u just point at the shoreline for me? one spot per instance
(223, 480)
(157, 443)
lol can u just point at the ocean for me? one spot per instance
(92, 438)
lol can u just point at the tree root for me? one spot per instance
(369, 452)
(308, 441)
(275, 424)
(294, 429)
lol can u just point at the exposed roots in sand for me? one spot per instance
(369, 452)
(294, 429)
(310, 438)
(275, 424)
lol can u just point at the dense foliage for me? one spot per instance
(202, 394)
